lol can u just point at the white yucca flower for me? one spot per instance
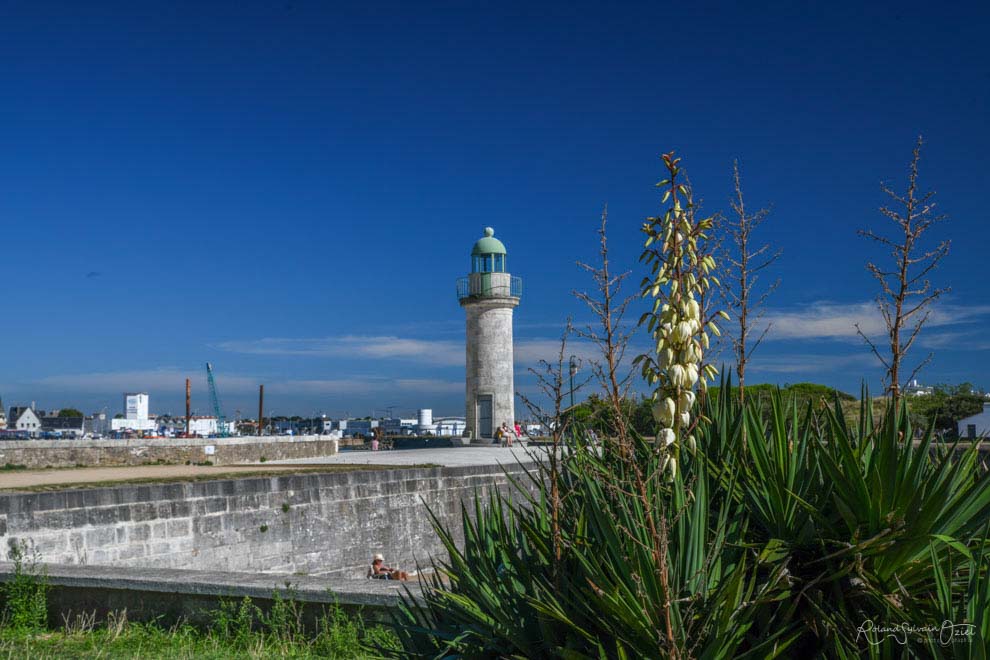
(677, 374)
(663, 411)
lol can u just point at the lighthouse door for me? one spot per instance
(484, 415)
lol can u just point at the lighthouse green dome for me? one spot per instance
(488, 244)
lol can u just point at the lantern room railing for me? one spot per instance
(482, 287)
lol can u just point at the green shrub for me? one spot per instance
(233, 622)
(25, 596)
(237, 629)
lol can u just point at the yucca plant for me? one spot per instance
(506, 595)
(786, 544)
(851, 513)
(743, 530)
(962, 599)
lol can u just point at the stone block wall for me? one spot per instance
(144, 451)
(316, 524)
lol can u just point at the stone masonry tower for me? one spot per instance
(488, 295)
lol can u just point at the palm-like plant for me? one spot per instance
(743, 530)
(784, 544)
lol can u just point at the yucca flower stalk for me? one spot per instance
(681, 274)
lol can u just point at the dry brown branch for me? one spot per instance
(611, 336)
(550, 380)
(905, 290)
(745, 266)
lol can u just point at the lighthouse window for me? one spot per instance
(499, 263)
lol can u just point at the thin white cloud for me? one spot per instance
(430, 385)
(140, 380)
(530, 351)
(383, 347)
(809, 363)
(170, 378)
(967, 340)
(440, 352)
(828, 320)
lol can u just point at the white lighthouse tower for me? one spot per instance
(488, 296)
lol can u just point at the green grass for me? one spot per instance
(237, 629)
(142, 640)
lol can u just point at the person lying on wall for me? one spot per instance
(379, 571)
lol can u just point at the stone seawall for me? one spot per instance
(316, 523)
(142, 451)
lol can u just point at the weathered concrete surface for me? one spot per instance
(311, 523)
(138, 451)
(451, 457)
(190, 595)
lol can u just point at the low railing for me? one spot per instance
(483, 288)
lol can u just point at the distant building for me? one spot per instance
(399, 426)
(96, 424)
(136, 405)
(64, 426)
(124, 424)
(914, 388)
(353, 428)
(449, 426)
(3, 416)
(202, 426)
(24, 418)
(136, 416)
(976, 426)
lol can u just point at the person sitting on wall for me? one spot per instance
(507, 434)
(379, 571)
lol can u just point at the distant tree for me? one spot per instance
(744, 265)
(945, 406)
(70, 412)
(118, 416)
(905, 290)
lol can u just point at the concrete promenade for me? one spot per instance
(471, 455)
(446, 456)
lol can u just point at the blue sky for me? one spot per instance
(290, 189)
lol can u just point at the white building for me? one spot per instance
(132, 424)
(450, 426)
(136, 416)
(205, 426)
(136, 405)
(976, 426)
(424, 422)
(914, 388)
(399, 426)
(23, 418)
